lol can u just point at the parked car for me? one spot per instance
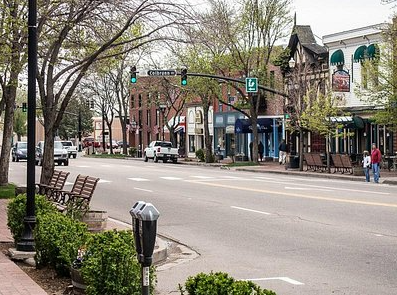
(161, 150)
(60, 153)
(120, 144)
(72, 149)
(19, 151)
(89, 141)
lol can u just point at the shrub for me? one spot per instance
(200, 155)
(132, 151)
(110, 265)
(16, 211)
(220, 284)
(58, 239)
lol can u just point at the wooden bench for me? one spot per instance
(57, 182)
(318, 162)
(79, 197)
(309, 162)
(337, 163)
(347, 163)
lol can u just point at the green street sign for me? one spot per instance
(251, 85)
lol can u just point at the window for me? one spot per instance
(139, 100)
(132, 101)
(148, 118)
(192, 148)
(199, 117)
(191, 117)
(272, 82)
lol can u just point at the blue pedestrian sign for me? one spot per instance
(251, 85)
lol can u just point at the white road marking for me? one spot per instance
(170, 178)
(138, 179)
(250, 210)
(307, 189)
(379, 235)
(106, 165)
(202, 177)
(331, 188)
(103, 181)
(142, 189)
(285, 279)
(231, 177)
(83, 166)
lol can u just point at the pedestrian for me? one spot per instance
(376, 158)
(251, 157)
(282, 152)
(366, 165)
(261, 149)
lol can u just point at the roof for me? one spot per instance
(303, 34)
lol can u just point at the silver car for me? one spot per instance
(60, 153)
(19, 151)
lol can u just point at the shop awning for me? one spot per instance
(373, 51)
(178, 122)
(360, 53)
(352, 122)
(244, 125)
(337, 58)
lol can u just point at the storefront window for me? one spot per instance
(192, 148)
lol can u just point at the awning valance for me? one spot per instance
(244, 125)
(176, 122)
(337, 58)
(360, 53)
(352, 122)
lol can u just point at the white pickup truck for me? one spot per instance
(161, 150)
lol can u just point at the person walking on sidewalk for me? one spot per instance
(261, 149)
(376, 158)
(367, 165)
(282, 152)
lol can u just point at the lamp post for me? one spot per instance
(162, 107)
(26, 242)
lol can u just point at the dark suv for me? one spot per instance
(19, 151)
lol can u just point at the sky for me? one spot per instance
(332, 16)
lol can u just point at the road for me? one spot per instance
(294, 235)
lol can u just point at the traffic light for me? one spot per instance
(184, 77)
(87, 103)
(24, 107)
(133, 74)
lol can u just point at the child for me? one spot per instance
(366, 165)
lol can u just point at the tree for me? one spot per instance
(245, 38)
(75, 34)
(13, 56)
(20, 127)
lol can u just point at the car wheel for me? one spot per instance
(164, 160)
(74, 156)
(174, 161)
(146, 158)
(155, 159)
(65, 163)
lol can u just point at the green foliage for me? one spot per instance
(58, 239)
(132, 151)
(220, 284)
(20, 126)
(16, 211)
(200, 155)
(7, 191)
(110, 265)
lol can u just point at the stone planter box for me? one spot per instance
(96, 220)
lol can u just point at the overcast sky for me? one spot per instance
(332, 16)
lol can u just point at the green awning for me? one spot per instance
(373, 51)
(337, 58)
(360, 53)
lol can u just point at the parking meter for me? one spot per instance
(135, 226)
(148, 216)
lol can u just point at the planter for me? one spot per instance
(78, 283)
(96, 220)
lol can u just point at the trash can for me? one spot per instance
(293, 161)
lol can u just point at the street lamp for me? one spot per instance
(162, 107)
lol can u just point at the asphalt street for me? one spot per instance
(294, 235)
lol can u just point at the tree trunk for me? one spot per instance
(301, 136)
(9, 96)
(209, 158)
(48, 156)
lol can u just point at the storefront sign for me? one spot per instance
(341, 81)
(230, 129)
